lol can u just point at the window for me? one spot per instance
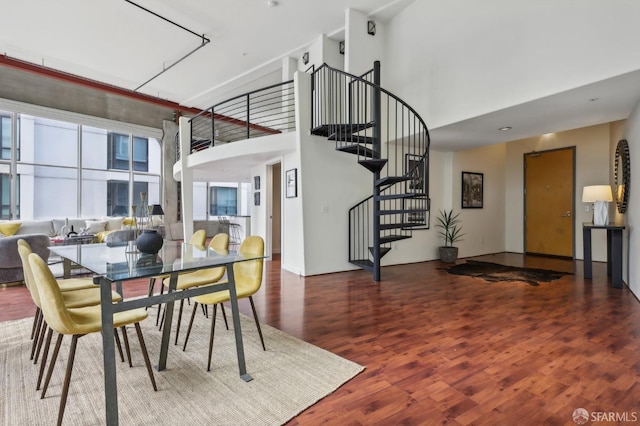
(5, 196)
(5, 138)
(119, 152)
(118, 196)
(224, 201)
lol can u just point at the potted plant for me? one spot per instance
(451, 230)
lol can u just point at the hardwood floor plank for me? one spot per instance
(446, 349)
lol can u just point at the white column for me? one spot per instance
(187, 178)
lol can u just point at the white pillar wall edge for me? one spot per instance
(186, 181)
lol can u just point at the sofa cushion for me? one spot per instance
(113, 223)
(36, 227)
(95, 226)
(9, 228)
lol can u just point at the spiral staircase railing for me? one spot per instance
(390, 139)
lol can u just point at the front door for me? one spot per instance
(549, 201)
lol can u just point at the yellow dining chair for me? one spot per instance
(248, 278)
(65, 285)
(199, 238)
(77, 323)
(72, 299)
(219, 243)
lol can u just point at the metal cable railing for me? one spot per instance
(262, 112)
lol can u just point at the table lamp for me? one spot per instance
(600, 196)
(156, 210)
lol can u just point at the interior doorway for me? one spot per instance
(549, 193)
(274, 212)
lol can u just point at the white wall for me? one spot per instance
(519, 54)
(592, 168)
(632, 134)
(483, 228)
(362, 49)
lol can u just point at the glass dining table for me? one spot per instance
(117, 264)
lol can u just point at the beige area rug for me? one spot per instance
(289, 377)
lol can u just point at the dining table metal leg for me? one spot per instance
(235, 313)
(168, 317)
(108, 353)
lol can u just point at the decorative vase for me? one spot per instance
(149, 241)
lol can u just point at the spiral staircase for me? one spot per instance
(390, 140)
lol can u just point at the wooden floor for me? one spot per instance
(445, 349)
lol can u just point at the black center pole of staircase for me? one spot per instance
(376, 146)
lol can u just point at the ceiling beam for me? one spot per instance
(93, 84)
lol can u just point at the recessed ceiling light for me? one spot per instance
(272, 3)
(505, 128)
(225, 170)
(593, 99)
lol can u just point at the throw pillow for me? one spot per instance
(113, 223)
(9, 228)
(129, 221)
(93, 227)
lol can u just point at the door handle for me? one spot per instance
(567, 214)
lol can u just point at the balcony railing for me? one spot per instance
(267, 111)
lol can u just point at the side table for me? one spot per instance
(614, 251)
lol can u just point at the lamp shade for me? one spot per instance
(593, 193)
(156, 210)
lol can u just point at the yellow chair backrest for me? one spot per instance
(248, 275)
(220, 242)
(24, 250)
(51, 302)
(199, 238)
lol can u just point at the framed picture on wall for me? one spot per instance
(256, 182)
(472, 190)
(256, 198)
(291, 183)
(416, 168)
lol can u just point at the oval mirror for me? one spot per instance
(622, 175)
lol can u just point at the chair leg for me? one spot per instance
(193, 315)
(160, 305)
(179, 320)
(255, 316)
(224, 315)
(43, 331)
(54, 357)
(43, 363)
(36, 318)
(164, 308)
(119, 346)
(205, 311)
(145, 354)
(67, 377)
(126, 343)
(34, 344)
(213, 328)
(152, 284)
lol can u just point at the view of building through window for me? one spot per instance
(67, 170)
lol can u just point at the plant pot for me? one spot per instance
(448, 254)
(149, 241)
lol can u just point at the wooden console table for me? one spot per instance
(614, 251)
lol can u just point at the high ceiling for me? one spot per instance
(224, 47)
(127, 42)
